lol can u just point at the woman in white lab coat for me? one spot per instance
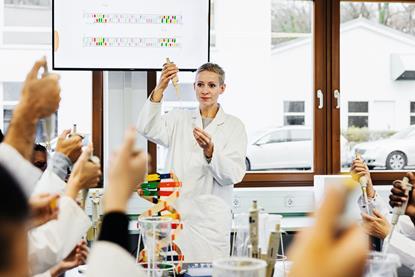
(206, 150)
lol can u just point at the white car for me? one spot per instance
(288, 147)
(394, 153)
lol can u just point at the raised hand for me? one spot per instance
(127, 170)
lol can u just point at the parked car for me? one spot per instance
(394, 153)
(288, 147)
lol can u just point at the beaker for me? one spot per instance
(382, 265)
(282, 266)
(239, 267)
(240, 238)
(156, 235)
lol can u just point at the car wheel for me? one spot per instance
(370, 167)
(396, 161)
(247, 165)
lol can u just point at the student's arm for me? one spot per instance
(127, 170)
(151, 124)
(68, 150)
(40, 98)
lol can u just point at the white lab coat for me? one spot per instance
(25, 173)
(52, 242)
(205, 223)
(185, 157)
(49, 183)
(403, 238)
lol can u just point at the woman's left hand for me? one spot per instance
(205, 141)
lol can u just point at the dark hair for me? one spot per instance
(1, 136)
(215, 68)
(14, 209)
(40, 147)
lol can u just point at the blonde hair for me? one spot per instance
(215, 68)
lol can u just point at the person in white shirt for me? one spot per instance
(50, 243)
(377, 224)
(206, 151)
(53, 241)
(40, 98)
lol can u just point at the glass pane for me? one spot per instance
(263, 58)
(12, 91)
(294, 106)
(358, 121)
(377, 42)
(294, 120)
(358, 107)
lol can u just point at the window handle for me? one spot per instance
(336, 94)
(320, 97)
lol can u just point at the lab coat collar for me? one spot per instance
(217, 121)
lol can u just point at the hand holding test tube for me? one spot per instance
(175, 81)
(400, 206)
(359, 172)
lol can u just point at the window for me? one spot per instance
(369, 37)
(39, 3)
(26, 36)
(11, 95)
(412, 113)
(296, 62)
(294, 113)
(358, 114)
(7, 117)
(274, 42)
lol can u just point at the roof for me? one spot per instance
(351, 25)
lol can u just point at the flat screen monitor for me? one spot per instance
(130, 34)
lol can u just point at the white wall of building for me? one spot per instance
(292, 77)
(366, 74)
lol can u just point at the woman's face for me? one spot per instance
(208, 88)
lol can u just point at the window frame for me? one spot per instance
(326, 131)
(260, 179)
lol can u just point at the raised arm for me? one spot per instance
(151, 124)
